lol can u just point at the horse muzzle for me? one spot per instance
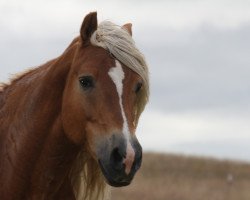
(119, 159)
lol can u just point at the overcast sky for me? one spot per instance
(197, 50)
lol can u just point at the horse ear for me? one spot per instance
(89, 26)
(128, 27)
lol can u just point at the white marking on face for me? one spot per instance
(117, 75)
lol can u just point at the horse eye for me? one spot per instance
(87, 82)
(138, 87)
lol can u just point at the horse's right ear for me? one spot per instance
(89, 26)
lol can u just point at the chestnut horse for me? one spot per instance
(68, 127)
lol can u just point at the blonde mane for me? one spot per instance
(120, 44)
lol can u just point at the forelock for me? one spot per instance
(120, 44)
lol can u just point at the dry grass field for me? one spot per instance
(171, 177)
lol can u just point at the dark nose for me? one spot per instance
(126, 158)
(119, 159)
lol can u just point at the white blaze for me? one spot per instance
(117, 75)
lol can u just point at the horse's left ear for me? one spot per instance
(89, 26)
(128, 28)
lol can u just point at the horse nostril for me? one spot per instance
(117, 158)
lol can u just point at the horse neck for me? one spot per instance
(34, 150)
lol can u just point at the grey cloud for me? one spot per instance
(23, 52)
(203, 69)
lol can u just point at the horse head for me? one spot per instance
(105, 93)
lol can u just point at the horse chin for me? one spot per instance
(114, 179)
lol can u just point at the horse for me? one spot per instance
(67, 127)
